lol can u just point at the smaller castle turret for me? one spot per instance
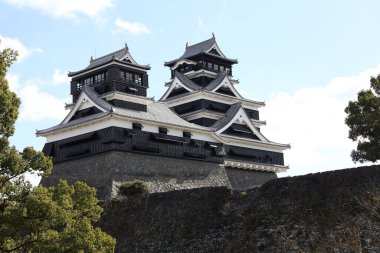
(117, 71)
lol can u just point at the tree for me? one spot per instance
(363, 119)
(54, 219)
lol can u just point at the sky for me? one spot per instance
(305, 59)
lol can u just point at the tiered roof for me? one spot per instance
(121, 56)
(205, 47)
(191, 86)
(156, 112)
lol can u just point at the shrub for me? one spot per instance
(243, 194)
(132, 188)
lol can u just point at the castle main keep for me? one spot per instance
(200, 133)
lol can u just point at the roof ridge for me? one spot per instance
(202, 42)
(117, 56)
(107, 55)
(201, 48)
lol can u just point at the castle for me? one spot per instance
(201, 132)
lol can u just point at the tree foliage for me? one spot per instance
(54, 219)
(363, 119)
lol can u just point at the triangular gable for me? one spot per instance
(175, 84)
(226, 91)
(241, 118)
(215, 50)
(226, 82)
(83, 102)
(128, 58)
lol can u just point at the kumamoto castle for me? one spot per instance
(200, 133)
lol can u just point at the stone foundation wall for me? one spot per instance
(241, 179)
(106, 171)
(312, 213)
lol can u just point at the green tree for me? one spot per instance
(54, 219)
(363, 119)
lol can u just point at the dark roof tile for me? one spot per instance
(91, 93)
(74, 122)
(199, 48)
(230, 114)
(118, 56)
(216, 81)
(187, 82)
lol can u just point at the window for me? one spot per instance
(216, 67)
(137, 126)
(128, 77)
(88, 81)
(138, 79)
(209, 65)
(228, 70)
(79, 86)
(187, 134)
(163, 130)
(99, 78)
(122, 75)
(221, 68)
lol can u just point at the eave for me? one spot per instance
(255, 166)
(250, 143)
(73, 74)
(212, 96)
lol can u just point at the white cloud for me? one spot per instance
(132, 27)
(36, 105)
(244, 93)
(65, 8)
(13, 81)
(60, 77)
(202, 25)
(15, 43)
(312, 120)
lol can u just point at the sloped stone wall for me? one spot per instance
(241, 179)
(313, 213)
(105, 171)
(108, 170)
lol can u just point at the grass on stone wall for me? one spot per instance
(134, 188)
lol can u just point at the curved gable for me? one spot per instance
(236, 115)
(215, 50)
(87, 99)
(224, 82)
(180, 81)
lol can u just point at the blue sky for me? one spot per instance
(306, 59)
